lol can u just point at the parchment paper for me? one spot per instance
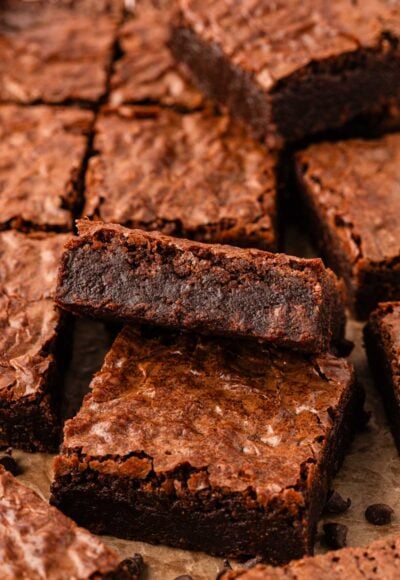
(370, 474)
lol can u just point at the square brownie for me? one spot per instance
(377, 561)
(56, 52)
(115, 273)
(42, 160)
(31, 329)
(296, 67)
(207, 445)
(198, 176)
(146, 71)
(382, 341)
(351, 193)
(38, 541)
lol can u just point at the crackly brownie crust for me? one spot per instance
(36, 540)
(207, 444)
(56, 52)
(146, 71)
(31, 329)
(198, 176)
(382, 341)
(351, 193)
(292, 68)
(132, 275)
(381, 559)
(43, 156)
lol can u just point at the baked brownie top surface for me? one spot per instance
(41, 152)
(181, 173)
(272, 40)
(147, 72)
(355, 185)
(55, 51)
(38, 541)
(381, 559)
(28, 316)
(241, 416)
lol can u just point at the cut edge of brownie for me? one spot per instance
(288, 113)
(384, 362)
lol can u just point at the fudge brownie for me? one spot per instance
(207, 444)
(43, 156)
(112, 272)
(380, 560)
(198, 176)
(382, 341)
(31, 328)
(38, 541)
(56, 52)
(295, 67)
(351, 194)
(146, 71)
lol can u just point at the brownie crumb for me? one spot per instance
(132, 567)
(336, 504)
(379, 514)
(335, 535)
(10, 465)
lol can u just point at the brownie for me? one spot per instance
(292, 68)
(146, 71)
(112, 272)
(379, 560)
(38, 541)
(43, 156)
(197, 175)
(31, 329)
(351, 194)
(58, 51)
(207, 444)
(382, 341)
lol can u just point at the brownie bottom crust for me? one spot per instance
(232, 525)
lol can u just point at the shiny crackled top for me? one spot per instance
(240, 414)
(272, 40)
(37, 541)
(28, 316)
(355, 185)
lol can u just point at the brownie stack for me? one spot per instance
(153, 156)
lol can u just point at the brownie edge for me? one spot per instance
(112, 272)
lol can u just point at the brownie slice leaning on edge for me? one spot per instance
(382, 341)
(31, 330)
(380, 560)
(196, 176)
(351, 193)
(132, 275)
(295, 67)
(207, 444)
(37, 541)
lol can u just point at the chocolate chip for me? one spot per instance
(335, 535)
(336, 504)
(184, 577)
(133, 566)
(227, 565)
(379, 514)
(10, 464)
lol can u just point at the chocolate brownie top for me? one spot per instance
(381, 559)
(242, 417)
(55, 51)
(41, 150)
(272, 40)
(355, 187)
(28, 316)
(38, 541)
(147, 72)
(196, 175)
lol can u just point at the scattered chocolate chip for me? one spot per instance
(253, 562)
(10, 464)
(379, 514)
(227, 565)
(184, 577)
(336, 504)
(133, 566)
(335, 535)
